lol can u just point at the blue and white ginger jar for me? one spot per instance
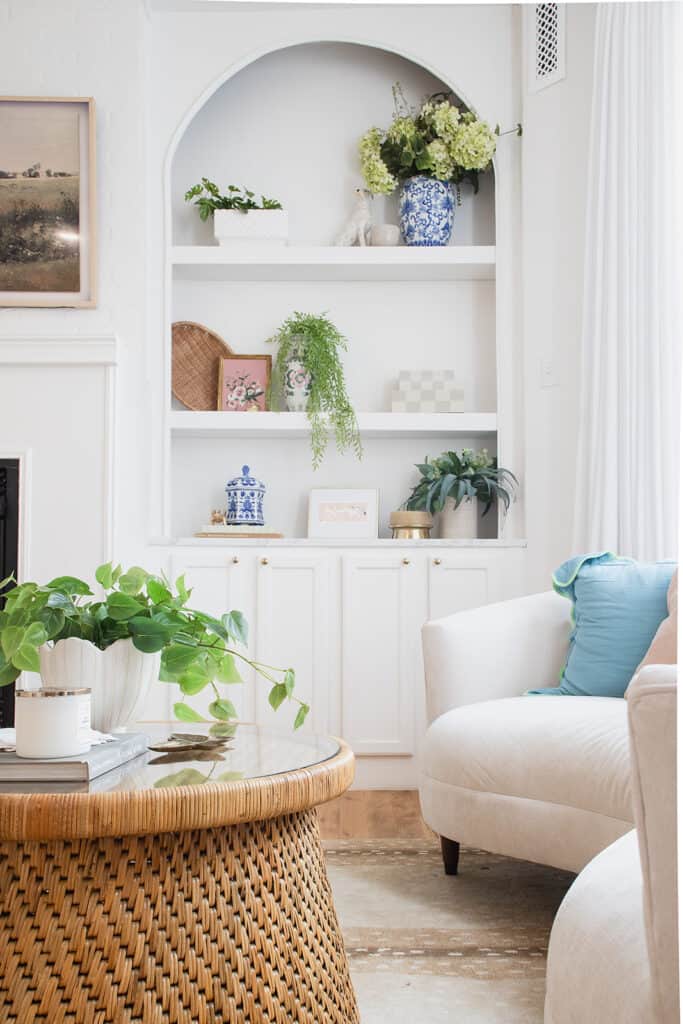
(245, 500)
(426, 208)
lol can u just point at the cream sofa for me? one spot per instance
(613, 952)
(542, 778)
(560, 781)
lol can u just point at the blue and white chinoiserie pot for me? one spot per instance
(426, 208)
(245, 500)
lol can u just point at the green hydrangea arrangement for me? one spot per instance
(442, 140)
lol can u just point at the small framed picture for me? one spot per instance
(343, 513)
(47, 202)
(243, 383)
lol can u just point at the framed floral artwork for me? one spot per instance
(47, 202)
(243, 383)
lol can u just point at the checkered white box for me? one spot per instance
(427, 391)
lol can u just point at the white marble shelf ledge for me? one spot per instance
(315, 542)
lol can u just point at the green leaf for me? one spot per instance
(149, 635)
(177, 658)
(157, 592)
(227, 670)
(27, 659)
(69, 585)
(53, 621)
(8, 673)
(276, 696)
(35, 634)
(63, 601)
(12, 637)
(289, 681)
(185, 713)
(301, 716)
(194, 679)
(104, 574)
(237, 626)
(180, 586)
(223, 709)
(224, 730)
(133, 581)
(229, 777)
(185, 777)
(7, 580)
(122, 607)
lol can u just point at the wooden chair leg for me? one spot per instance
(450, 851)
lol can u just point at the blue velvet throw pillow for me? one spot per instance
(618, 606)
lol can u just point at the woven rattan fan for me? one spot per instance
(196, 351)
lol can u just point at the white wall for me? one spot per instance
(146, 70)
(554, 176)
(83, 48)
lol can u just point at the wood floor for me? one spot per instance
(373, 814)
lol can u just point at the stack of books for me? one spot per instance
(100, 759)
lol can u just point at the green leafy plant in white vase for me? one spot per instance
(141, 629)
(455, 484)
(308, 371)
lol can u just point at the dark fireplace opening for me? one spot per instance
(9, 558)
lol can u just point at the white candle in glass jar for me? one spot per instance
(52, 723)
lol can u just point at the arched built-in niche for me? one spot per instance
(288, 125)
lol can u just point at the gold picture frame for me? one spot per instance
(48, 257)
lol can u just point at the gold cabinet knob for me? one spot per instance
(437, 561)
(264, 561)
(235, 560)
(406, 561)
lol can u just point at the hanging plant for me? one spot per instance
(315, 344)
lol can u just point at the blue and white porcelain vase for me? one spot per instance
(245, 500)
(426, 208)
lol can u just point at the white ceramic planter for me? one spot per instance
(459, 523)
(253, 229)
(119, 677)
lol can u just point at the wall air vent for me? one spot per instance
(547, 45)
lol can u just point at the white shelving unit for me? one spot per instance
(329, 263)
(293, 424)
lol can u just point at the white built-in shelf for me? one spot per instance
(385, 543)
(332, 263)
(294, 424)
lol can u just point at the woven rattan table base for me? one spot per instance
(232, 924)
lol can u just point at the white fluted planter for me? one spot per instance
(459, 523)
(119, 677)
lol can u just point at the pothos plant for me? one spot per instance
(197, 650)
(461, 475)
(316, 343)
(208, 197)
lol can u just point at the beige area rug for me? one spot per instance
(426, 948)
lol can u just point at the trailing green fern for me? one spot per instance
(317, 343)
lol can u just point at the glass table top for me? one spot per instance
(246, 752)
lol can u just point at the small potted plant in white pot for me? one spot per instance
(140, 630)
(239, 218)
(455, 484)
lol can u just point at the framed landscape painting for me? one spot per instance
(47, 202)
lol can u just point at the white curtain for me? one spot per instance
(629, 433)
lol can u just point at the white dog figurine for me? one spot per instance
(359, 223)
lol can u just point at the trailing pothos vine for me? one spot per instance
(197, 649)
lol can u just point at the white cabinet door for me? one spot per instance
(468, 578)
(292, 631)
(380, 633)
(220, 583)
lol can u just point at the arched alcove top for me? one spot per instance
(286, 123)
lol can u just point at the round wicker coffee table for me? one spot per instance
(176, 890)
